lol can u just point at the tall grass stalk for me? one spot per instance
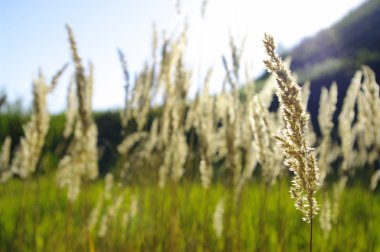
(300, 157)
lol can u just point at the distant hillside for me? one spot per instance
(335, 53)
(346, 45)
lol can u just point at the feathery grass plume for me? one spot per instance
(299, 157)
(109, 205)
(192, 112)
(368, 125)
(232, 140)
(71, 110)
(218, 218)
(28, 153)
(222, 103)
(205, 127)
(141, 97)
(232, 76)
(266, 96)
(104, 198)
(126, 145)
(346, 119)
(137, 147)
(124, 113)
(5, 155)
(267, 91)
(145, 148)
(250, 152)
(174, 159)
(81, 160)
(154, 43)
(325, 216)
(267, 157)
(152, 139)
(249, 146)
(234, 111)
(172, 142)
(29, 150)
(89, 89)
(109, 218)
(327, 107)
(236, 55)
(371, 92)
(103, 226)
(56, 76)
(311, 136)
(95, 214)
(82, 83)
(233, 123)
(109, 181)
(206, 173)
(130, 214)
(129, 142)
(361, 129)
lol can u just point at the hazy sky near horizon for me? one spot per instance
(33, 37)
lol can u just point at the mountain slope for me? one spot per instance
(334, 54)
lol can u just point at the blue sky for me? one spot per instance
(33, 36)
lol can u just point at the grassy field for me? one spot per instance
(211, 173)
(36, 216)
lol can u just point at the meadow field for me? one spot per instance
(241, 170)
(50, 223)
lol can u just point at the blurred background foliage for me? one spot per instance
(333, 54)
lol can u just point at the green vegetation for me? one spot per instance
(61, 227)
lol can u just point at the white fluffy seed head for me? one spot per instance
(218, 218)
